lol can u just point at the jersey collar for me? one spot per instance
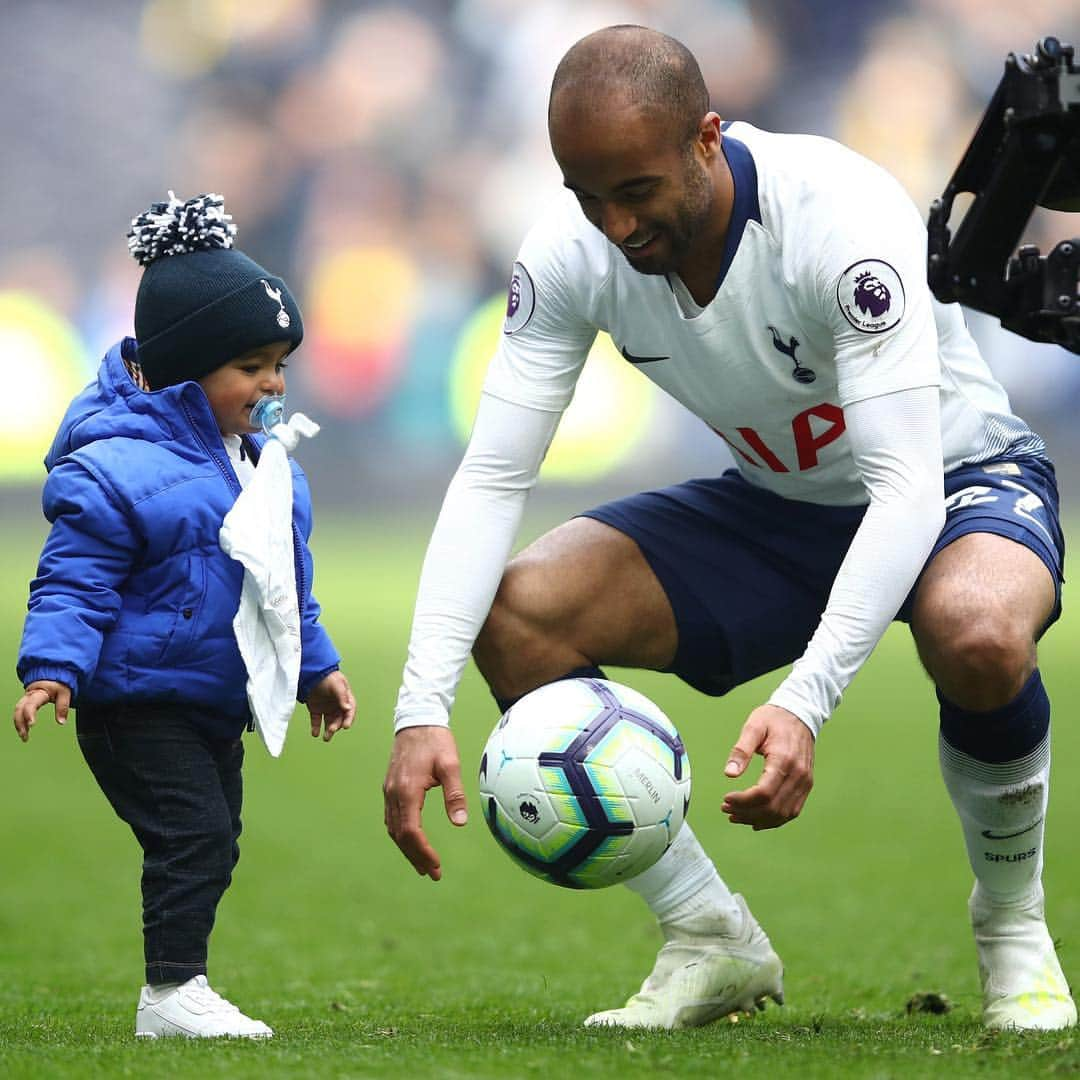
(746, 207)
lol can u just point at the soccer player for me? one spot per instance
(776, 286)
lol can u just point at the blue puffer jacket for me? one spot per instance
(134, 598)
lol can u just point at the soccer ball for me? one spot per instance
(585, 783)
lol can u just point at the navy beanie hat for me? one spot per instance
(201, 302)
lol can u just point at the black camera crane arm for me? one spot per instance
(1025, 153)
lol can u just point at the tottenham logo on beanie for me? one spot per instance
(201, 302)
(283, 319)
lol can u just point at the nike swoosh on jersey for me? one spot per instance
(1008, 836)
(642, 359)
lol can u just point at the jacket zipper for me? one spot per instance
(230, 479)
(223, 468)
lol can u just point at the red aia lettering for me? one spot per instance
(807, 444)
(738, 450)
(755, 442)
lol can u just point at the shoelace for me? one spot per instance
(206, 995)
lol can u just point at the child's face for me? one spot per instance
(235, 387)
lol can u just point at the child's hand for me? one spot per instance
(38, 694)
(330, 703)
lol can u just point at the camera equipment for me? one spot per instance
(1025, 153)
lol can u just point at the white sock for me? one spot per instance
(1002, 808)
(684, 891)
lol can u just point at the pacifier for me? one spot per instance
(268, 412)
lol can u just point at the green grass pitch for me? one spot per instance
(365, 969)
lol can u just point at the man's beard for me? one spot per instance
(689, 222)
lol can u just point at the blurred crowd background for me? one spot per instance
(386, 159)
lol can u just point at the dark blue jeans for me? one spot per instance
(180, 790)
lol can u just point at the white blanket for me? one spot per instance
(258, 533)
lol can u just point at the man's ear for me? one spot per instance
(709, 136)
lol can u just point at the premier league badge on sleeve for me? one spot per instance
(520, 301)
(871, 296)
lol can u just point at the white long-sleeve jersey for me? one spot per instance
(823, 361)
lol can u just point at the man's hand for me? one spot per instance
(331, 705)
(37, 694)
(787, 777)
(422, 758)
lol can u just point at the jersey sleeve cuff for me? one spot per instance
(420, 719)
(812, 717)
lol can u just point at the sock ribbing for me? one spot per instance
(1000, 735)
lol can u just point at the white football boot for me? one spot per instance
(194, 1010)
(1022, 982)
(699, 978)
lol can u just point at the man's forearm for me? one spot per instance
(468, 551)
(898, 448)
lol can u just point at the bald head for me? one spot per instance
(634, 67)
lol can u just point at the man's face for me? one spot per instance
(646, 189)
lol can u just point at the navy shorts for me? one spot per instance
(748, 573)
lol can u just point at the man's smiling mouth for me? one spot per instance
(637, 246)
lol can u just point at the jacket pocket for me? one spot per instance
(187, 605)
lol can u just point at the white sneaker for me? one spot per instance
(699, 978)
(1022, 982)
(195, 1010)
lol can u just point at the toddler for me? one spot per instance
(131, 612)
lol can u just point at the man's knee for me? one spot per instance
(526, 638)
(978, 611)
(979, 661)
(510, 622)
(581, 595)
